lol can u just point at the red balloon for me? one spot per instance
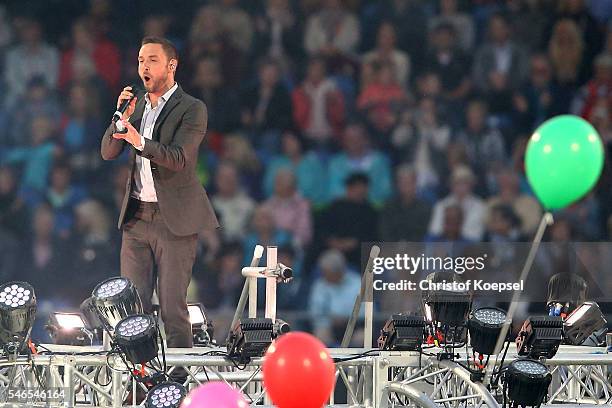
(298, 371)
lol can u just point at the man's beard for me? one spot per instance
(156, 85)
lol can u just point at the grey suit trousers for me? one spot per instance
(146, 242)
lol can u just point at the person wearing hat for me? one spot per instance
(474, 210)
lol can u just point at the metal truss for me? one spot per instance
(70, 377)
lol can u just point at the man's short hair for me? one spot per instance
(357, 178)
(168, 47)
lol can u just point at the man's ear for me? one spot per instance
(173, 64)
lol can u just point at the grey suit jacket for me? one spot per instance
(173, 152)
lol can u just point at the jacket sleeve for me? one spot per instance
(110, 147)
(184, 147)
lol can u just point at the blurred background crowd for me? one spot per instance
(331, 123)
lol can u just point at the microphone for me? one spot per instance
(122, 108)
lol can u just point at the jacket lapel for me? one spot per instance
(168, 107)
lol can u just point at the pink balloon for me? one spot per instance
(214, 394)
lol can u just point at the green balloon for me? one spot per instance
(563, 161)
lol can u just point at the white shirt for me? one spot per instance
(144, 189)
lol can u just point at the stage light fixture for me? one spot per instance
(137, 337)
(250, 338)
(115, 299)
(484, 327)
(402, 332)
(583, 322)
(201, 327)
(68, 329)
(443, 305)
(90, 315)
(17, 314)
(526, 382)
(166, 395)
(540, 336)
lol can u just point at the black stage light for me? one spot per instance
(442, 303)
(402, 332)
(69, 329)
(115, 299)
(583, 322)
(484, 327)
(165, 395)
(540, 336)
(527, 382)
(201, 327)
(250, 338)
(17, 314)
(137, 338)
(90, 314)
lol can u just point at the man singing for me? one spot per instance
(164, 206)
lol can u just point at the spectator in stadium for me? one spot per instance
(386, 52)
(31, 58)
(37, 158)
(208, 85)
(473, 208)
(596, 93)
(38, 100)
(318, 105)
(566, 52)
(333, 31)
(231, 203)
(338, 227)
(207, 37)
(453, 227)
(263, 232)
(500, 65)
(410, 20)
(461, 22)
(483, 144)
(97, 56)
(220, 283)
(236, 23)
(306, 166)
(93, 247)
(278, 34)
(449, 62)
(13, 212)
(291, 212)
(538, 98)
(531, 21)
(44, 256)
(589, 29)
(81, 119)
(266, 107)
(382, 99)
(332, 296)
(63, 195)
(358, 156)
(404, 217)
(422, 138)
(237, 150)
(524, 206)
(504, 225)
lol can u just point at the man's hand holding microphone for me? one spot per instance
(126, 104)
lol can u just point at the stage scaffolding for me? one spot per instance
(89, 377)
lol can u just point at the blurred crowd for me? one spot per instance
(330, 123)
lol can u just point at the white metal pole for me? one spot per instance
(271, 262)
